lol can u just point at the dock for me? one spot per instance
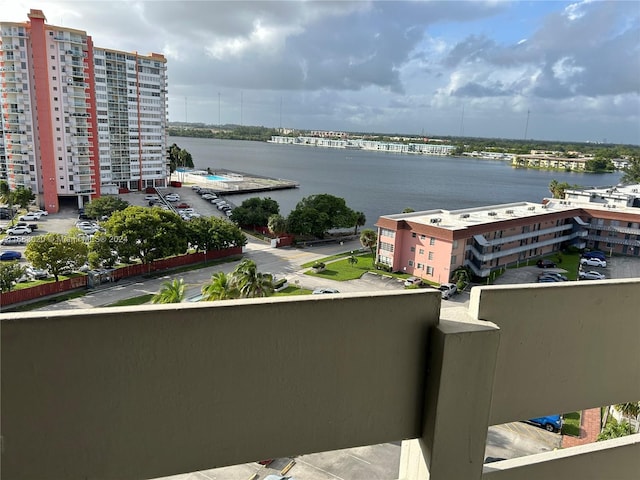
(227, 182)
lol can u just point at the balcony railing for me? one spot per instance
(150, 391)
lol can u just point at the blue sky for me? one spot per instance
(571, 68)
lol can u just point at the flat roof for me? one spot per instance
(468, 217)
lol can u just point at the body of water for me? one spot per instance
(379, 183)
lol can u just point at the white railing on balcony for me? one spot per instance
(150, 391)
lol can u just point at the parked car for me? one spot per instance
(546, 264)
(560, 277)
(593, 262)
(19, 231)
(594, 254)
(29, 217)
(551, 423)
(13, 241)
(9, 255)
(591, 275)
(36, 273)
(448, 290)
(151, 197)
(545, 279)
(412, 281)
(42, 213)
(172, 197)
(320, 291)
(195, 188)
(30, 226)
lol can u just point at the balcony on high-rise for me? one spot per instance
(151, 391)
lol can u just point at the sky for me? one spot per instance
(540, 70)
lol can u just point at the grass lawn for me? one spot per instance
(291, 290)
(342, 270)
(333, 257)
(142, 299)
(571, 424)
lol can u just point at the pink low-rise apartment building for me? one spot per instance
(432, 244)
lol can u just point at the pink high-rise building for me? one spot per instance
(78, 121)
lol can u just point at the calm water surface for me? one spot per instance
(381, 183)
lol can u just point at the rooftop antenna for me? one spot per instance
(280, 114)
(526, 126)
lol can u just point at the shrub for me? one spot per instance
(318, 266)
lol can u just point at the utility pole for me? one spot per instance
(526, 126)
(280, 114)
(462, 123)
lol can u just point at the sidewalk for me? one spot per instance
(589, 429)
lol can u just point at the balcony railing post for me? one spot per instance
(462, 359)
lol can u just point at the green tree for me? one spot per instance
(22, 196)
(631, 173)
(316, 214)
(369, 239)
(221, 287)
(178, 158)
(408, 210)
(359, 220)
(631, 409)
(102, 251)
(57, 253)
(255, 211)
(171, 292)
(250, 282)
(10, 272)
(352, 259)
(213, 233)
(613, 429)
(104, 206)
(147, 233)
(598, 165)
(557, 189)
(5, 192)
(277, 224)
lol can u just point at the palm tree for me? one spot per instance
(369, 239)
(352, 260)
(171, 292)
(250, 282)
(360, 220)
(221, 287)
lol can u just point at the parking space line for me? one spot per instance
(358, 458)
(320, 469)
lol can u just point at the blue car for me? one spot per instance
(10, 255)
(551, 423)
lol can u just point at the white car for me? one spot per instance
(412, 281)
(19, 231)
(151, 197)
(320, 291)
(448, 290)
(591, 275)
(41, 212)
(593, 262)
(30, 216)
